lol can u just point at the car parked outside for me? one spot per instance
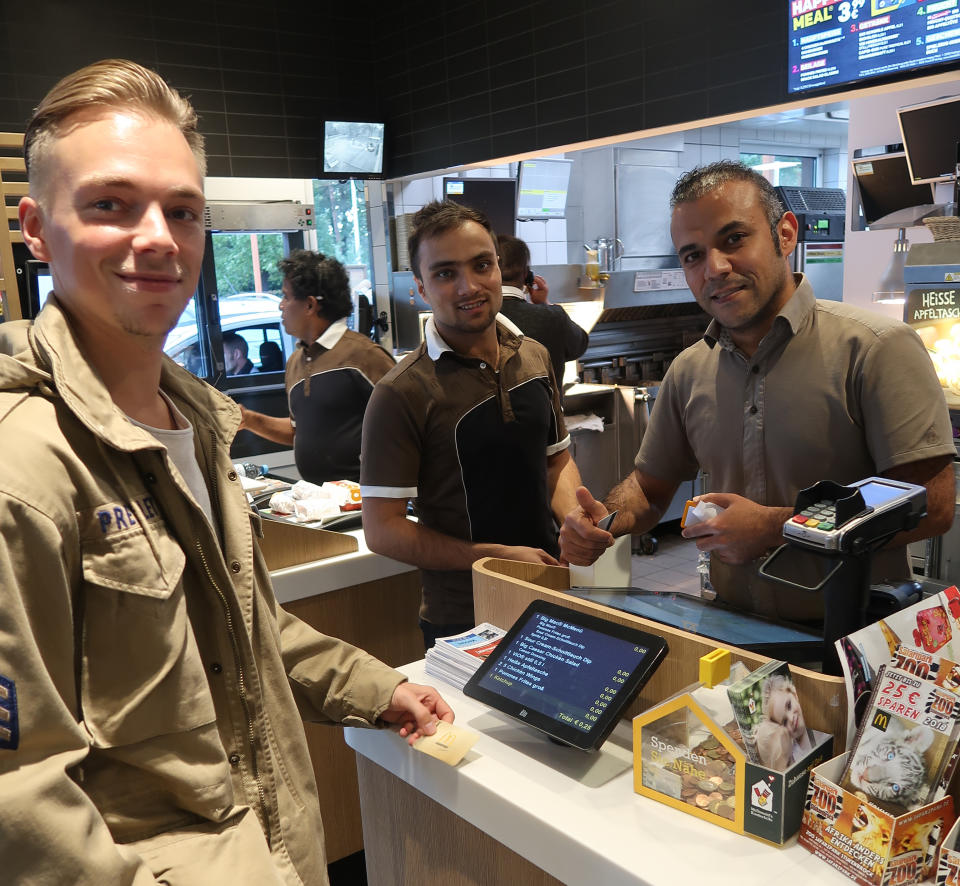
(253, 315)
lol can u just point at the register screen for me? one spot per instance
(875, 494)
(565, 671)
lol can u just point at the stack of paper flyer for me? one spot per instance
(454, 659)
(903, 755)
(932, 625)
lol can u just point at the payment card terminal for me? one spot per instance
(857, 518)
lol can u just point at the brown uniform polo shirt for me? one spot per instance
(469, 445)
(328, 385)
(834, 392)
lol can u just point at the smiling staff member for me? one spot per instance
(329, 377)
(469, 426)
(782, 391)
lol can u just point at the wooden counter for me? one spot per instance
(519, 809)
(502, 589)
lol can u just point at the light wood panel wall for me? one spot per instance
(12, 185)
(406, 847)
(502, 589)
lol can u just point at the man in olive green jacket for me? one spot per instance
(151, 689)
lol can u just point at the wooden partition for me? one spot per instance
(288, 544)
(502, 589)
(13, 185)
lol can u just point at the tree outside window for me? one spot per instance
(342, 225)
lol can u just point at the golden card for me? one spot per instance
(449, 743)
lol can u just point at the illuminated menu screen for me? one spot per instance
(844, 41)
(566, 677)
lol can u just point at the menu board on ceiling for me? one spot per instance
(832, 42)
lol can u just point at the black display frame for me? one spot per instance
(327, 174)
(495, 197)
(923, 68)
(523, 168)
(591, 740)
(923, 125)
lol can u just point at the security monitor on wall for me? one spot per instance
(352, 149)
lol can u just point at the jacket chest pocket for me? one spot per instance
(141, 671)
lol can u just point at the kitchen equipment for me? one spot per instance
(821, 213)
(648, 317)
(609, 253)
(592, 266)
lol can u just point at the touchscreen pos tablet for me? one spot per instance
(567, 674)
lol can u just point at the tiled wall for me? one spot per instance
(263, 76)
(547, 239)
(591, 209)
(457, 83)
(463, 82)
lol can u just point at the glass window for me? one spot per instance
(342, 225)
(343, 231)
(185, 344)
(783, 169)
(248, 286)
(247, 263)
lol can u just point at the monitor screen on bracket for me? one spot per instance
(542, 186)
(884, 185)
(931, 133)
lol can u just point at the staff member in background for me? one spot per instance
(469, 426)
(151, 688)
(235, 351)
(329, 377)
(782, 391)
(548, 324)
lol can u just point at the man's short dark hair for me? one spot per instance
(235, 340)
(514, 257)
(703, 180)
(439, 217)
(323, 277)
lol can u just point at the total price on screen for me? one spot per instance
(564, 671)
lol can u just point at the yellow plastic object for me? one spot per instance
(683, 517)
(714, 667)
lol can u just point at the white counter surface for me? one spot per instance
(536, 798)
(333, 573)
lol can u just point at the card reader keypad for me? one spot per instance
(820, 515)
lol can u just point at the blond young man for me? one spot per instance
(151, 689)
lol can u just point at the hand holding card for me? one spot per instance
(449, 743)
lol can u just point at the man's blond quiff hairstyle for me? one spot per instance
(112, 83)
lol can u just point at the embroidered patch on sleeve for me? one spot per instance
(9, 719)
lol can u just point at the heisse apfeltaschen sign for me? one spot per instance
(934, 313)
